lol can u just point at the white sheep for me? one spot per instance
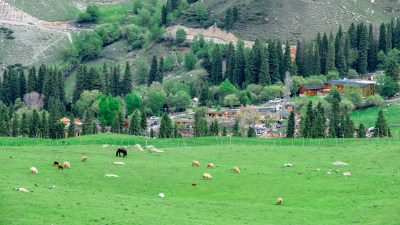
(67, 165)
(22, 189)
(34, 170)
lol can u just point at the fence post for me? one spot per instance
(303, 141)
(230, 140)
(292, 142)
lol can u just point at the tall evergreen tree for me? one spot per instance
(330, 58)
(79, 83)
(361, 131)
(153, 71)
(40, 79)
(236, 129)
(349, 131)
(31, 84)
(372, 51)
(334, 119)
(257, 50)
(160, 71)
(22, 84)
(279, 54)
(143, 122)
(273, 62)
(135, 123)
(229, 19)
(353, 35)
(34, 124)
(71, 127)
(287, 58)
(382, 38)
(23, 127)
(216, 66)
(240, 64)
(164, 14)
(347, 46)
(87, 123)
(363, 50)
(396, 36)
(230, 61)
(127, 83)
(115, 124)
(61, 86)
(317, 61)
(200, 124)
(381, 127)
(166, 130)
(341, 59)
(324, 53)
(388, 37)
(249, 70)
(291, 126)
(264, 77)
(15, 125)
(106, 75)
(309, 67)
(14, 88)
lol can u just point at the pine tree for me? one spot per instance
(240, 64)
(206, 64)
(317, 61)
(347, 46)
(251, 132)
(115, 124)
(353, 35)
(87, 123)
(31, 85)
(94, 128)
(135, 123)
(166, 127)
(330, 58)
(200, 124)
(61, 86)
(341, 128)
(224, 131)
(176, 131)
(341, 59)
(300, 58)
(396, 36)
(349, 132)
(249, 70)
(105, 75)
(23, 127)
(381, 127)
(264, 77)
(127, 82)
(34, 124)
(290, 126)
(273, 62)
(236, 129)
(164, 14)
(388, 37)
(309, 67)
(230, 61)
(214, 128)
(235, 13)
(279, 54)
(71, 127)
(324, 53)
(229, 19)
(15, 125)
(361, 131)
(257, 51)
(14, 88)
(338, 40)
(334, 119)
(363, 51)
(153, 71)
(143, 122)
(152, 133)
(40, 79)
(44, 126)
(22, 83)
(372, 51)
(382, 39)
(79, 83)
(216, 66)
(287, 59)
(160, 71)
(204, 95)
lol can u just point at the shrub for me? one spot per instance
(137, 37)
(180, 35)
(108, 32)
(374, 100)
(91, 15)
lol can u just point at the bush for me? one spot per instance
(352, 74)
(190, 60)
(91, 15)
(89, 45)
(346, 106)
(180, 35)
(332, 75)
(108, 32)
(231, 100)
(137, 37)
(374, 100)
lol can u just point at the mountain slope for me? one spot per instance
(294, 19)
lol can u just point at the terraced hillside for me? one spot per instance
(294, 19)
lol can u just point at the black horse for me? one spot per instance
(119, 151)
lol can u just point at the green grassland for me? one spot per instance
(83, 195)
(369, 116)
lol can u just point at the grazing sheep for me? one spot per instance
(161, 195)
(84, 159)
(279, 201)
(105, 146)
(288, 165)
(34, 170)
(236, 169)
(207, 176)
(119, 151)
(67, 165)
(210, 165)
(195, 163)
(21, 189)
(56, 163)
(60, 167)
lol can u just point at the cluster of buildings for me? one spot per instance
(367, 87)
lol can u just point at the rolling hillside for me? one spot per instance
(295, 19)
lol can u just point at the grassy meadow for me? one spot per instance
(83, 195)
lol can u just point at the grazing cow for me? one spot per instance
(84, 159)
(56, 163)
(210, 165)
(194, 184)
(236, 169)
(279, 201)
(195, 163)
(34, 170)
(67, 165)
(119, 151)
(60, 167)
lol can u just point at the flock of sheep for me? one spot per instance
(60, 167)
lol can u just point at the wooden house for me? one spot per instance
(367, 87)
(186, 132)
(65, 120)
(311, 90)
(221, 114)
(288, 106)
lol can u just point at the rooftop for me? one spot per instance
(360, 83)
(314, 87)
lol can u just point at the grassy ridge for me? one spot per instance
(82, 195)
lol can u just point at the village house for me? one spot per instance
(311, 90)
(367, 87)
(78, 125)
(221, 114)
